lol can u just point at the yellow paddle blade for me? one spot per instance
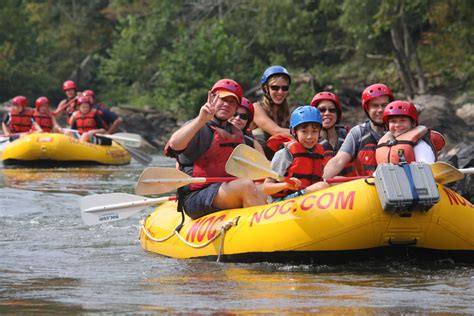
(445, 173)
(157, 180)
(248, 163)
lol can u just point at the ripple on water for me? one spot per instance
(51, 262)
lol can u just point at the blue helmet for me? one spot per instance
(274, 70)
(304, 114)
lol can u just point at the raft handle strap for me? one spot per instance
(366, 180)
(406, 167)
(226, 226)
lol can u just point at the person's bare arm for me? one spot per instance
(6, 130)
(270, 186)
(262, 120)
(336, 164)
(115, 125)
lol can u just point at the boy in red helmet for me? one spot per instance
(359, 145)
(44, 117)
(111, 120)
(202, 147)
(86, 120)
(405, 138)
(19, 118)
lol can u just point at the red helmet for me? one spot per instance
(88, 93)
(83, 99)
(69, 84)
(374, 91)
(41, 101)
(401, 108)
(318, 97)
(249, 106)
(230, 86)
(20, 100)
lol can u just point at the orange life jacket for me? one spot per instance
(365, 162)
(212, 162)
(307, 165)
(86, 122)
(329, 151)
(20, 121)
(44, 120)
(390, 149)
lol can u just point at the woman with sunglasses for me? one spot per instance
(242, 119)
(272, 113)
(332, 134)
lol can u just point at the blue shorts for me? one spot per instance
(199, 203)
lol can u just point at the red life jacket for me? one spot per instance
(329, 151)
(365, 162)
(389, 148)
(20, 121)
(44, 120)
(212, 162)
(306, 166)
(86, 122)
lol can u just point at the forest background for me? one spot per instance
(167, 54)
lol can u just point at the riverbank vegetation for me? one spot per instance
(166, 54)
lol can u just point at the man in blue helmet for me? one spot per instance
(301, 160)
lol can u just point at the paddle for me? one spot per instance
(248, 163)
(129, 139)
(157, 180)
(64, 106)
(140, 156)
(97, 208)
(445, 173)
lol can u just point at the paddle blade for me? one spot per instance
(140, 156)
(444, 173)
(157, 180)
(248, 163)
(128, 139)
(104, 208)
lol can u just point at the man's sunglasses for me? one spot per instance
(243, 116)
(330, 110)
(277, 88)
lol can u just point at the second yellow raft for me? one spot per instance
(38, 149)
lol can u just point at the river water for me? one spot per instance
(50, 262)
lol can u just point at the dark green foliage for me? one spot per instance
(167, 54)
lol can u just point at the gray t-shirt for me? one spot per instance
(282, 161)
(352, 142)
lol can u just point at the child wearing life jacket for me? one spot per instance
(302, 160)
(405, 137)
(112, 121)
(44, 117)
(19, 118)
(86, 120)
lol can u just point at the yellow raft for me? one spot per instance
(344, 219)
(38, 149)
